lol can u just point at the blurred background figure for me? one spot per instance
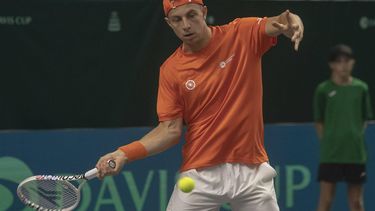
(341, 108)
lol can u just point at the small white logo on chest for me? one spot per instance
(332, 93)
(222, 64)
(190, 84)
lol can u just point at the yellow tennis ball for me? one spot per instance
(186, 184)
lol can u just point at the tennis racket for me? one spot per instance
(55, 193)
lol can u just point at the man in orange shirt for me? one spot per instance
(213, 83)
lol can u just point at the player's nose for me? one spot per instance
(186, 25)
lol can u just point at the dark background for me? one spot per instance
(65, 69)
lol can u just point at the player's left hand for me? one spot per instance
(104, 169)
(291, 26)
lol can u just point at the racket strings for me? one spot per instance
(50, 194)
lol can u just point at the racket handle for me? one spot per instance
(94, 172)
(91, 174)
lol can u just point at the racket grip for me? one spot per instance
(91, 174)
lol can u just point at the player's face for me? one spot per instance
(343, 66)
(188, 22)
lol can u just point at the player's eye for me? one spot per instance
(192, 15)
(176, 19)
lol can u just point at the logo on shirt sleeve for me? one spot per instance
(190, 84)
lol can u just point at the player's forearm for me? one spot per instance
(159, 139)
(319, 130)
(163, 137)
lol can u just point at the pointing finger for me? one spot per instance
(296, 45)
(295, 36)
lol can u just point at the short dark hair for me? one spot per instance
(340, 50)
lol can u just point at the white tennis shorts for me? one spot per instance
(244, 187)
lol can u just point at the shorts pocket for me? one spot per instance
(266, 172)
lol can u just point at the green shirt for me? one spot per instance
(343, 111)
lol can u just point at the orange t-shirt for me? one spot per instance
(218, 92)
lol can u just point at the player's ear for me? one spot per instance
(204, 11)
(167, 20)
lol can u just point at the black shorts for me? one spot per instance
(336, 172)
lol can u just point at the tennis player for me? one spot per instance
(213, 83)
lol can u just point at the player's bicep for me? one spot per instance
(254, 30)
(169, 105)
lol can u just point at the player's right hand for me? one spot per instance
(105, 170)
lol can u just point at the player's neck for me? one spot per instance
(200, 44)
(341, 80)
